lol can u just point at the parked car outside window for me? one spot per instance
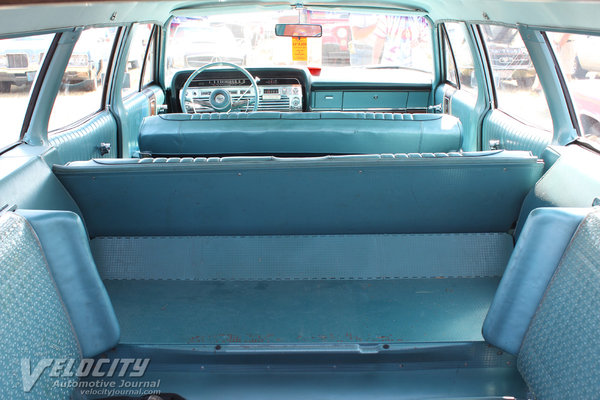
(20, 62)
(580, 64)
(84, 78)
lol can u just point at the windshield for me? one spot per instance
(353, 47)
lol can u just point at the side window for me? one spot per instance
(451, 75)
(579, 62)
(20, 61)
(82, 83)
(462, 55)
(518, 90)
(135, 58)
(149, 66)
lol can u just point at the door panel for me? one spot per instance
(462, 105)
(504, 132)
(84, 141)
(137, 107)
(27, 181)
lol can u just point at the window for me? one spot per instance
(149, 68)
(451, 75)
(369, 47)
(20, 62)
(135, 58)
(518, 90)
(579, 61)
(82, 83)
(463, 56)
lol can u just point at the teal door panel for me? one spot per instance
(135, 108)
(86, 140)
(27, 181)
(505, 132)
(464, 106)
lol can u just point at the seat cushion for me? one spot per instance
(286, 134)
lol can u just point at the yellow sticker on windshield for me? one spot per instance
(299, 49)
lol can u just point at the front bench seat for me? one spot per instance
(547, 307)
(53, 304)
(297, 134)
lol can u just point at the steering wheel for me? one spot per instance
(220, 100)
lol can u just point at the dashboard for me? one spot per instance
(294, 89)
(279, 90)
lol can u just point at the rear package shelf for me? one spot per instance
(302, 289)
(364, 311)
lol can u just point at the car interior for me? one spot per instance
(296, 200)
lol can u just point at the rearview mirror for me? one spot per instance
(299, 30)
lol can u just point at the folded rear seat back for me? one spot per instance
(54, 305)
(358, 194)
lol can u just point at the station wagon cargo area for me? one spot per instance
(283, 200)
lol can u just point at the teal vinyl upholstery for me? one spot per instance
(26, 180)
(34, 323)
(388, 193)
(135, 108)
(546, 306)
(560, 352)
(545, 237)
(274, 133)
(67, 251)
(571, 181)
(513, 134)
(82, 142)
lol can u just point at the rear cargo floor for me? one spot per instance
(313, 311)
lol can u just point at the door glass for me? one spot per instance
(518, 90)
(82, 84)
(20, 61)
(579, 62)
(135, 58)
(462, 55)
(451, 76)
(148, 73)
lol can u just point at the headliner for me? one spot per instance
(37, 15)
